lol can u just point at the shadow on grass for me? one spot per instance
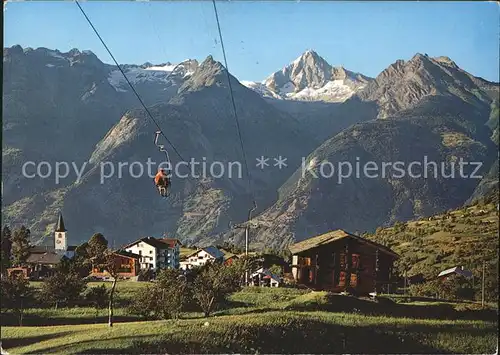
(292, 336)
(18, 342)
(386, 307)
(35, 320)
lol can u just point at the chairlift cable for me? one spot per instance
(235, 113)
(128, 81)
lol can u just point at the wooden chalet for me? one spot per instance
(339, 261)
(127, 264)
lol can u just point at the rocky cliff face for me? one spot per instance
(403, 84)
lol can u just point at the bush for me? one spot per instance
(16, 295)
(453, 287)
(62, 288)
(165, 299)
(98, 296)
(214, 282)
(276, 270)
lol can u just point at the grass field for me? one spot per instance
(257, 320)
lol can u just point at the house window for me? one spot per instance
(140, 252)
(342, 278)
(354, 280)
(355, 261)
(150, 252)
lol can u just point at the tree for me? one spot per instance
(20, 246)
(108, 263)
(165, 299)
(80, 263)
(16, 294)
(214, 282)
(103, 258)
(81, 251)
(276, 270)
(98, 296)
(6, 248)
(97, 247)
(62, 288)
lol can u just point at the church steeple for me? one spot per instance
(60, 240)
(60, 224)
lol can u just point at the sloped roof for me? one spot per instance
(456, 270)
(227, 254)
(41, 249)
(334, 236)
(45, 258)
(267, 274)
(156, 243)
(127, 254)
(171, 242)
(216, 253)
(213, 251)
(60, 224)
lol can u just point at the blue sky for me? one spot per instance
(262, 37)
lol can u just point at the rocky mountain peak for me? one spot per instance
(75, 52)
(311, 78)
(14, 50)
(209, 72)
(403, 84)
(445, 61)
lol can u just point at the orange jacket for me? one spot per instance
(161, 179)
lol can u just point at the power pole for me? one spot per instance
(404, 288)
(482, 286)
(247, 232)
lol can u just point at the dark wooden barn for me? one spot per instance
(339, 261)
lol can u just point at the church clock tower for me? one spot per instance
(60, 240)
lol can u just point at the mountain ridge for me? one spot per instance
(99, 123)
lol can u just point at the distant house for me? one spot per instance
(339, 261)
(156, 253)
(201, 257)
(264, 277)
(457, 270)
(43, 261)
(230, 259)
(127, 264)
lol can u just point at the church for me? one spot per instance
(43, 259)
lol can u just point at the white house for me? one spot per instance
(156, 253)
(458, 270)
(264, 277)
(201, 257)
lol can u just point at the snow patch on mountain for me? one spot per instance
(260, 88)
(333, 89)
(164, 74)
(56, 54)
(166, 67)
(310, 78)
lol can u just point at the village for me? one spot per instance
(335, 274)
(336, 261)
